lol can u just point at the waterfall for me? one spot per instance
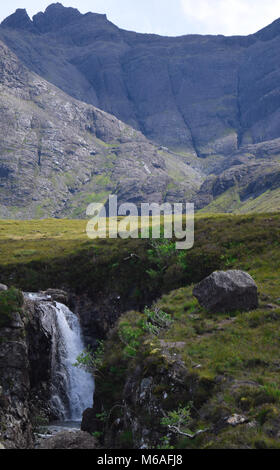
(71, 388)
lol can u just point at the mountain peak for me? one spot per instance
(269, 32)
(18, 20)
(56, 16)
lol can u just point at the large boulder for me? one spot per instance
(227, 291)
(3, 287)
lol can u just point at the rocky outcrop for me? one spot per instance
(210, 109)
(57, 155)
(25, 370)
(247, 178)
(69, 440)
(227, 291)
(206, 94)
(15, 419)
(142, 396)
(57, 295)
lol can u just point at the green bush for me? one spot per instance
(91, 361)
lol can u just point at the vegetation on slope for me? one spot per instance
(11, 302)
(228, 364)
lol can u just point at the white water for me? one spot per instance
(72, 388)
(79, 384)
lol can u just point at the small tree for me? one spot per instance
(91, 361)
(178, 421)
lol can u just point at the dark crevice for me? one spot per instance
(187, 124)
(4, 172)
(240, 130)
(39, 156)
(198, 154)
(136, 117)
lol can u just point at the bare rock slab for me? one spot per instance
(69, 440)
(227, 291)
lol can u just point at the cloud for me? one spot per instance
(230, 17)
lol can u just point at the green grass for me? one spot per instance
(231, 361)
(230, 202)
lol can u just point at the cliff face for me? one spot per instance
(58, 154)
(213, 100)
(25, 360)
(207, 95)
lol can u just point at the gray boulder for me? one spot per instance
(227, 291)
(3, 287)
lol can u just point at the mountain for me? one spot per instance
(213, 101)
(59, 154)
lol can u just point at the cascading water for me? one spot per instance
(78, 384)
(71, 388)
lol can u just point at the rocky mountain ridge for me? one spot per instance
(212, 100)
(58, 154)
(207, 95)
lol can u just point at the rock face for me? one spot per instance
(148, 389)
(25, 360)
(57, 295)
(69, 440)
(227, 291)
(212, 100)
(57, 155)
(15, 425)
(206, 94)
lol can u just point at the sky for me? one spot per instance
(170, 17)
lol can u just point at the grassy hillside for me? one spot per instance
(232, 359)
(229, 201)
(51, 253)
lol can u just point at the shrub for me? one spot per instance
(157, 320)
(91, 361)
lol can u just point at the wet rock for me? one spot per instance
(227, 291)
(89, 422)
(58, 295)
(25, 352)
(69, 440)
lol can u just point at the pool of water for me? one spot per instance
(52, 429)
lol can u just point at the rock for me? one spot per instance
(184, 104)
(15, 418)
(235, 420)
(25, 374)
(90, 423)
(69, 440)
(71, 148)
(199, 109)
(1, 446)
(16, 321)
(227, 291)
(58, 295)
(3, 287)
